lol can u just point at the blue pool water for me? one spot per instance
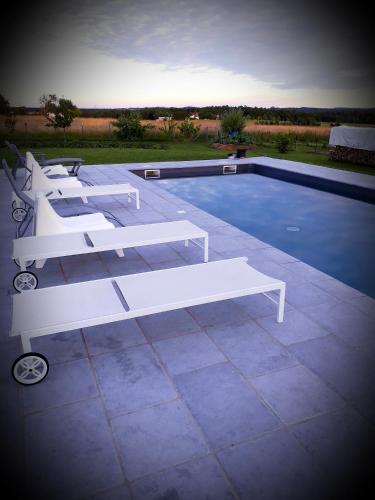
(330, 232)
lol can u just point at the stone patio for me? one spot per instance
(212, 402)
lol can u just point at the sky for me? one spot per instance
(136, 53)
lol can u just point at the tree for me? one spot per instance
(59, 112)
(188, 130)
(8, 112)
(4, 106)
(129, 127)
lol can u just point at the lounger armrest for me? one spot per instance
(54, 161)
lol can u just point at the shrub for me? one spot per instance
(129, 127)
(169, 128)
(188, 130)
(233, 122)
(283, 143)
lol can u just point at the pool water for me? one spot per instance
(330, 232)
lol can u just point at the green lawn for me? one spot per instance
(196, 151)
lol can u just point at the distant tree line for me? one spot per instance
(299, 116)
(272, 115)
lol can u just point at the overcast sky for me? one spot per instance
(129, 53)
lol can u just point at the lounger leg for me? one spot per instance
(40, 263)
(137, 199)
(186, 243)
(280, 311)
(26, 344)
(84, 199)
(120, 252)
(205, 249)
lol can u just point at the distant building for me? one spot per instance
(194, 116)
(164, 118)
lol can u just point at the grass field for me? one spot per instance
(36, 124)
(196, 151)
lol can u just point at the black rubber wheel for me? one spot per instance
(30, 368)
(19, 214)
(25, 280)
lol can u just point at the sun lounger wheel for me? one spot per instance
(28, 263)
(30, 368)
(19, 214)
(25, 280)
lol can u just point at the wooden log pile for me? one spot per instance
(352, 155)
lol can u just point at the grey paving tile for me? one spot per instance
(296, 327)
(257, 306)
(218, 313)
(296, 393)
(168, 324)
(278, 255)
(226, 408)
(131, 379)
(307, 272)
(121, 266)
(169, 264)
(51, 274)
(364, 304)
(155, 438)
(119, 493)
(250, 349)
(82, 268)
(60, 347)
(65, 383)
(274, 466)
(11, 437)
(339, 290)
(5, 315)
(153, 254)
(345, 369)
(187, 353)
(308, 294)
(11, 348)
(342, 442)
(113, 336)
(201, 479)
(223, 243)
(69, 452)
(344, 320)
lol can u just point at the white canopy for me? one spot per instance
(353, 137)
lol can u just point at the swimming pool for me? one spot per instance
(330, 232)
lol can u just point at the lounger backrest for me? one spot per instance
(15, 187)
(47, 221)
(20, 160)
(39, 180)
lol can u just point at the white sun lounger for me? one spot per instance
(40, 248)
(70, 187)
(98, 302)
(88, 191)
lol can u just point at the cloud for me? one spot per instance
(289, 44)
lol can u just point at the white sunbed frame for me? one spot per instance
(45, 311)
(40, 248)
